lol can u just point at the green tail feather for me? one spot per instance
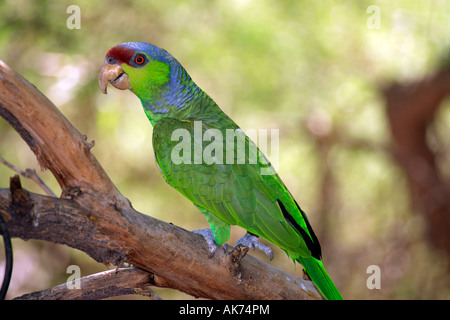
(320, 277)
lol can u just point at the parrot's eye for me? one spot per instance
(139, 59)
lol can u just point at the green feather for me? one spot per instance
(320, 277)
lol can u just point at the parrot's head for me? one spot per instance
(137, 66)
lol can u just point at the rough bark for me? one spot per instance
(112, 283)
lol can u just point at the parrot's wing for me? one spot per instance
(194, 158)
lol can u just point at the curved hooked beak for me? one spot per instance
(114, 74)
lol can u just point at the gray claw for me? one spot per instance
(251, 241)
(209, 238)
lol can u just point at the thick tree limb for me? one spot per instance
(93, 216)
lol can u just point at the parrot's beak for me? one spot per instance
(114, 74)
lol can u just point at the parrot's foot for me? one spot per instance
(209, 238)
(251, 241)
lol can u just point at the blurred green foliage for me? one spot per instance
(308, 68)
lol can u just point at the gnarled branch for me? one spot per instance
(101, 285)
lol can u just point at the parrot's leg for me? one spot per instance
(208, 235)
(217, 235)
(251, 241)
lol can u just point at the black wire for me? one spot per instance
(8, 258)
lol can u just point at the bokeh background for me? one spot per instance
(315, 70)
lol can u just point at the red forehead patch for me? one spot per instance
(121, 54)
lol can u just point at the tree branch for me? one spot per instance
(94, 217)
(30, 174)
(101, 285)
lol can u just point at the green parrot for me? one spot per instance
(229, 185)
